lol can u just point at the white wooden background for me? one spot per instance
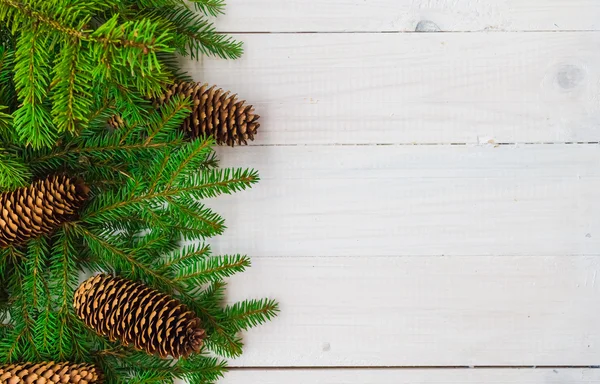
(429, 210)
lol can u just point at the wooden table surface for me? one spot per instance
(429, 209)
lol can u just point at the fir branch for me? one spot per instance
(196, 36)
(18, 343)
(8, 95)
(194, 272)
(35, 286)
(251, 313)
(200, 369)
(44, 329)
(185, 162)
(124, 261)
(132, 43)
(106, 36)
(210, 7)
(63, 271)
(32, 120)
(210, 184)
(194, 220)
(104, 148)
(10, 345)
(14, 172)
(75, 64)
(164, 125)
(6, 131)
(71, 99)
(6, 65)
(181, 255)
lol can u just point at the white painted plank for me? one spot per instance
(425, 311)
(404, 15)
(414, 200)
(424, 88)
(413, 376)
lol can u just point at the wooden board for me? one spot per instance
(390, 222)
(405, 15)
(424, 311)
(419, 255)
(363, 201)
(417, 88)
(413, 376)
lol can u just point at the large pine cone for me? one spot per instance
(135, 314)
(50, 373)
(215, 113)
(39, 208)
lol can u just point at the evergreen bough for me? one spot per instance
(66, 67)
(144, 221)
(64, 60)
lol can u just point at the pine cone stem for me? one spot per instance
(137, 315)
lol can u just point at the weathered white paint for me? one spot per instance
(417, 88)
(426, 255)
(404, 15)
(425, 311)
(363, 201)
(414, 376)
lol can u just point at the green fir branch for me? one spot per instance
(210, 7)
(195, 272)
(71, 98)
(35, 291)
(66, 67)
(195, 35)
(251, 313)
(14, 172)
(32, 120)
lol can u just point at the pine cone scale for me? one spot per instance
(39, 208)
(50, 373)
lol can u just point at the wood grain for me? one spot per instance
(405, 15)
(388, 254)
(421, 376)
(417, 88)
(425, 311)
(414, 200)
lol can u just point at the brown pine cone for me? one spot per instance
(50, 373)
(214, 113)
(39, 208)
(135, 314)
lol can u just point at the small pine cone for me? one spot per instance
(133, 313)
(39, 208)
(116, 121)
(215, 113)
(50, 373)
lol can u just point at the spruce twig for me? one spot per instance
(65, 68)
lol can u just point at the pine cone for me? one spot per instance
(39, 208)
(215, 113)
(50, 373)
(132, 313)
